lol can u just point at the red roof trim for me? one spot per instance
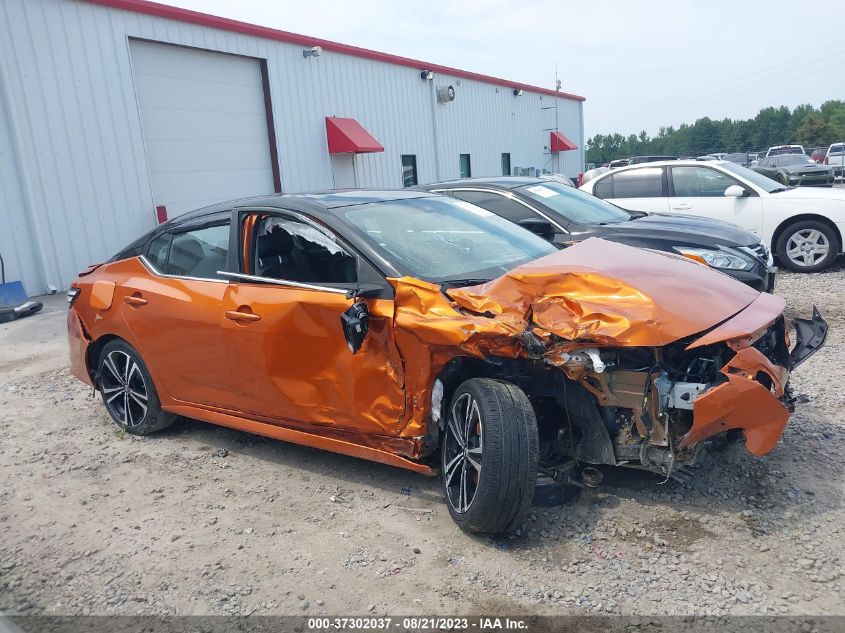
(204, 19)
(347, 136)
(559, 143)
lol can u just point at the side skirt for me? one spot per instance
(299, 437)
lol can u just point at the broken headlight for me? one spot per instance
(717, 258)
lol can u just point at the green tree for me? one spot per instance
(771, 126)
(813, 131)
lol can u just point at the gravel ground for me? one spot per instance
(206, 520)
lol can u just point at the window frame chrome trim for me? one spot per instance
(509, 196)
(280, 282)
(153, 270)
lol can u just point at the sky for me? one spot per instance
(641, 64)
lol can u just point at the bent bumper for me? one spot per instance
(740, 403)
(753, 398)
(810, 336)
(78, 346)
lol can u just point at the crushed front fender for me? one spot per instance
(743, 402)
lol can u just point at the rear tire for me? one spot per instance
(812, 235)
(128, 391)
(489, 456)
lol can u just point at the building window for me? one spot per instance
(466, 168)
(506, 164)
(409, 170)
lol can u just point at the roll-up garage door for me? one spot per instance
(204, 124)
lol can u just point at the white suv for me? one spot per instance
(835, 157)
(804, 226)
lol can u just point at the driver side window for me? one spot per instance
(292, 250)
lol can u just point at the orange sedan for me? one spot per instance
(424, 332)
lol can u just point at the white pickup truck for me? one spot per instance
(835, 157)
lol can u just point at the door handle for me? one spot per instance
(237, 315)
(135, 300)
(683, 206)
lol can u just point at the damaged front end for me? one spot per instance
(651, 372)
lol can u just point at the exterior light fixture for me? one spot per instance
(517, 92)
(426, 75)
(314, 51)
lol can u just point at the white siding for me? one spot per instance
(82, 161)
(16, 244)
(204, 125)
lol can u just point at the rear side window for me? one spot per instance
(199, 253)
(157, 252)
(498, 204)
(604, 188)
(639, 183)
(836, 149)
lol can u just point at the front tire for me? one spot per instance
(807, 246)
(489, 456)
(128, 391)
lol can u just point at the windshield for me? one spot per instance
(759, 180)
(793, 159)
(574, 205)
(440, 239)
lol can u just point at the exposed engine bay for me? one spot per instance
(646, 398)
(642, 385)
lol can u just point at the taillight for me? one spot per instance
(580, 178)
(72, 295)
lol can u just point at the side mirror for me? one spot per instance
(355, 323)
(540, 227)
(735, 191)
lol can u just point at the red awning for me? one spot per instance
(347, 136)
(559, 143)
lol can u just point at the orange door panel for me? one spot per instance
(176, 323)
(289, 354)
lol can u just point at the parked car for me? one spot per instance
(619, 162)
(818, 154)
(753, 156)
(568, 216)
(835, 158)
(562, 179)
(794, 170)
(636, 160)
(777, 150)
(803, 226)
(592, 173)
(740, 158)
(354, 322)
(706, 157)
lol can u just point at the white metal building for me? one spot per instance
(117, 113)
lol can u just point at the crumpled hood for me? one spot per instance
(609, 293)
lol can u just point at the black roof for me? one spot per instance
(321, 206)
(504, 182)
(326, 200)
